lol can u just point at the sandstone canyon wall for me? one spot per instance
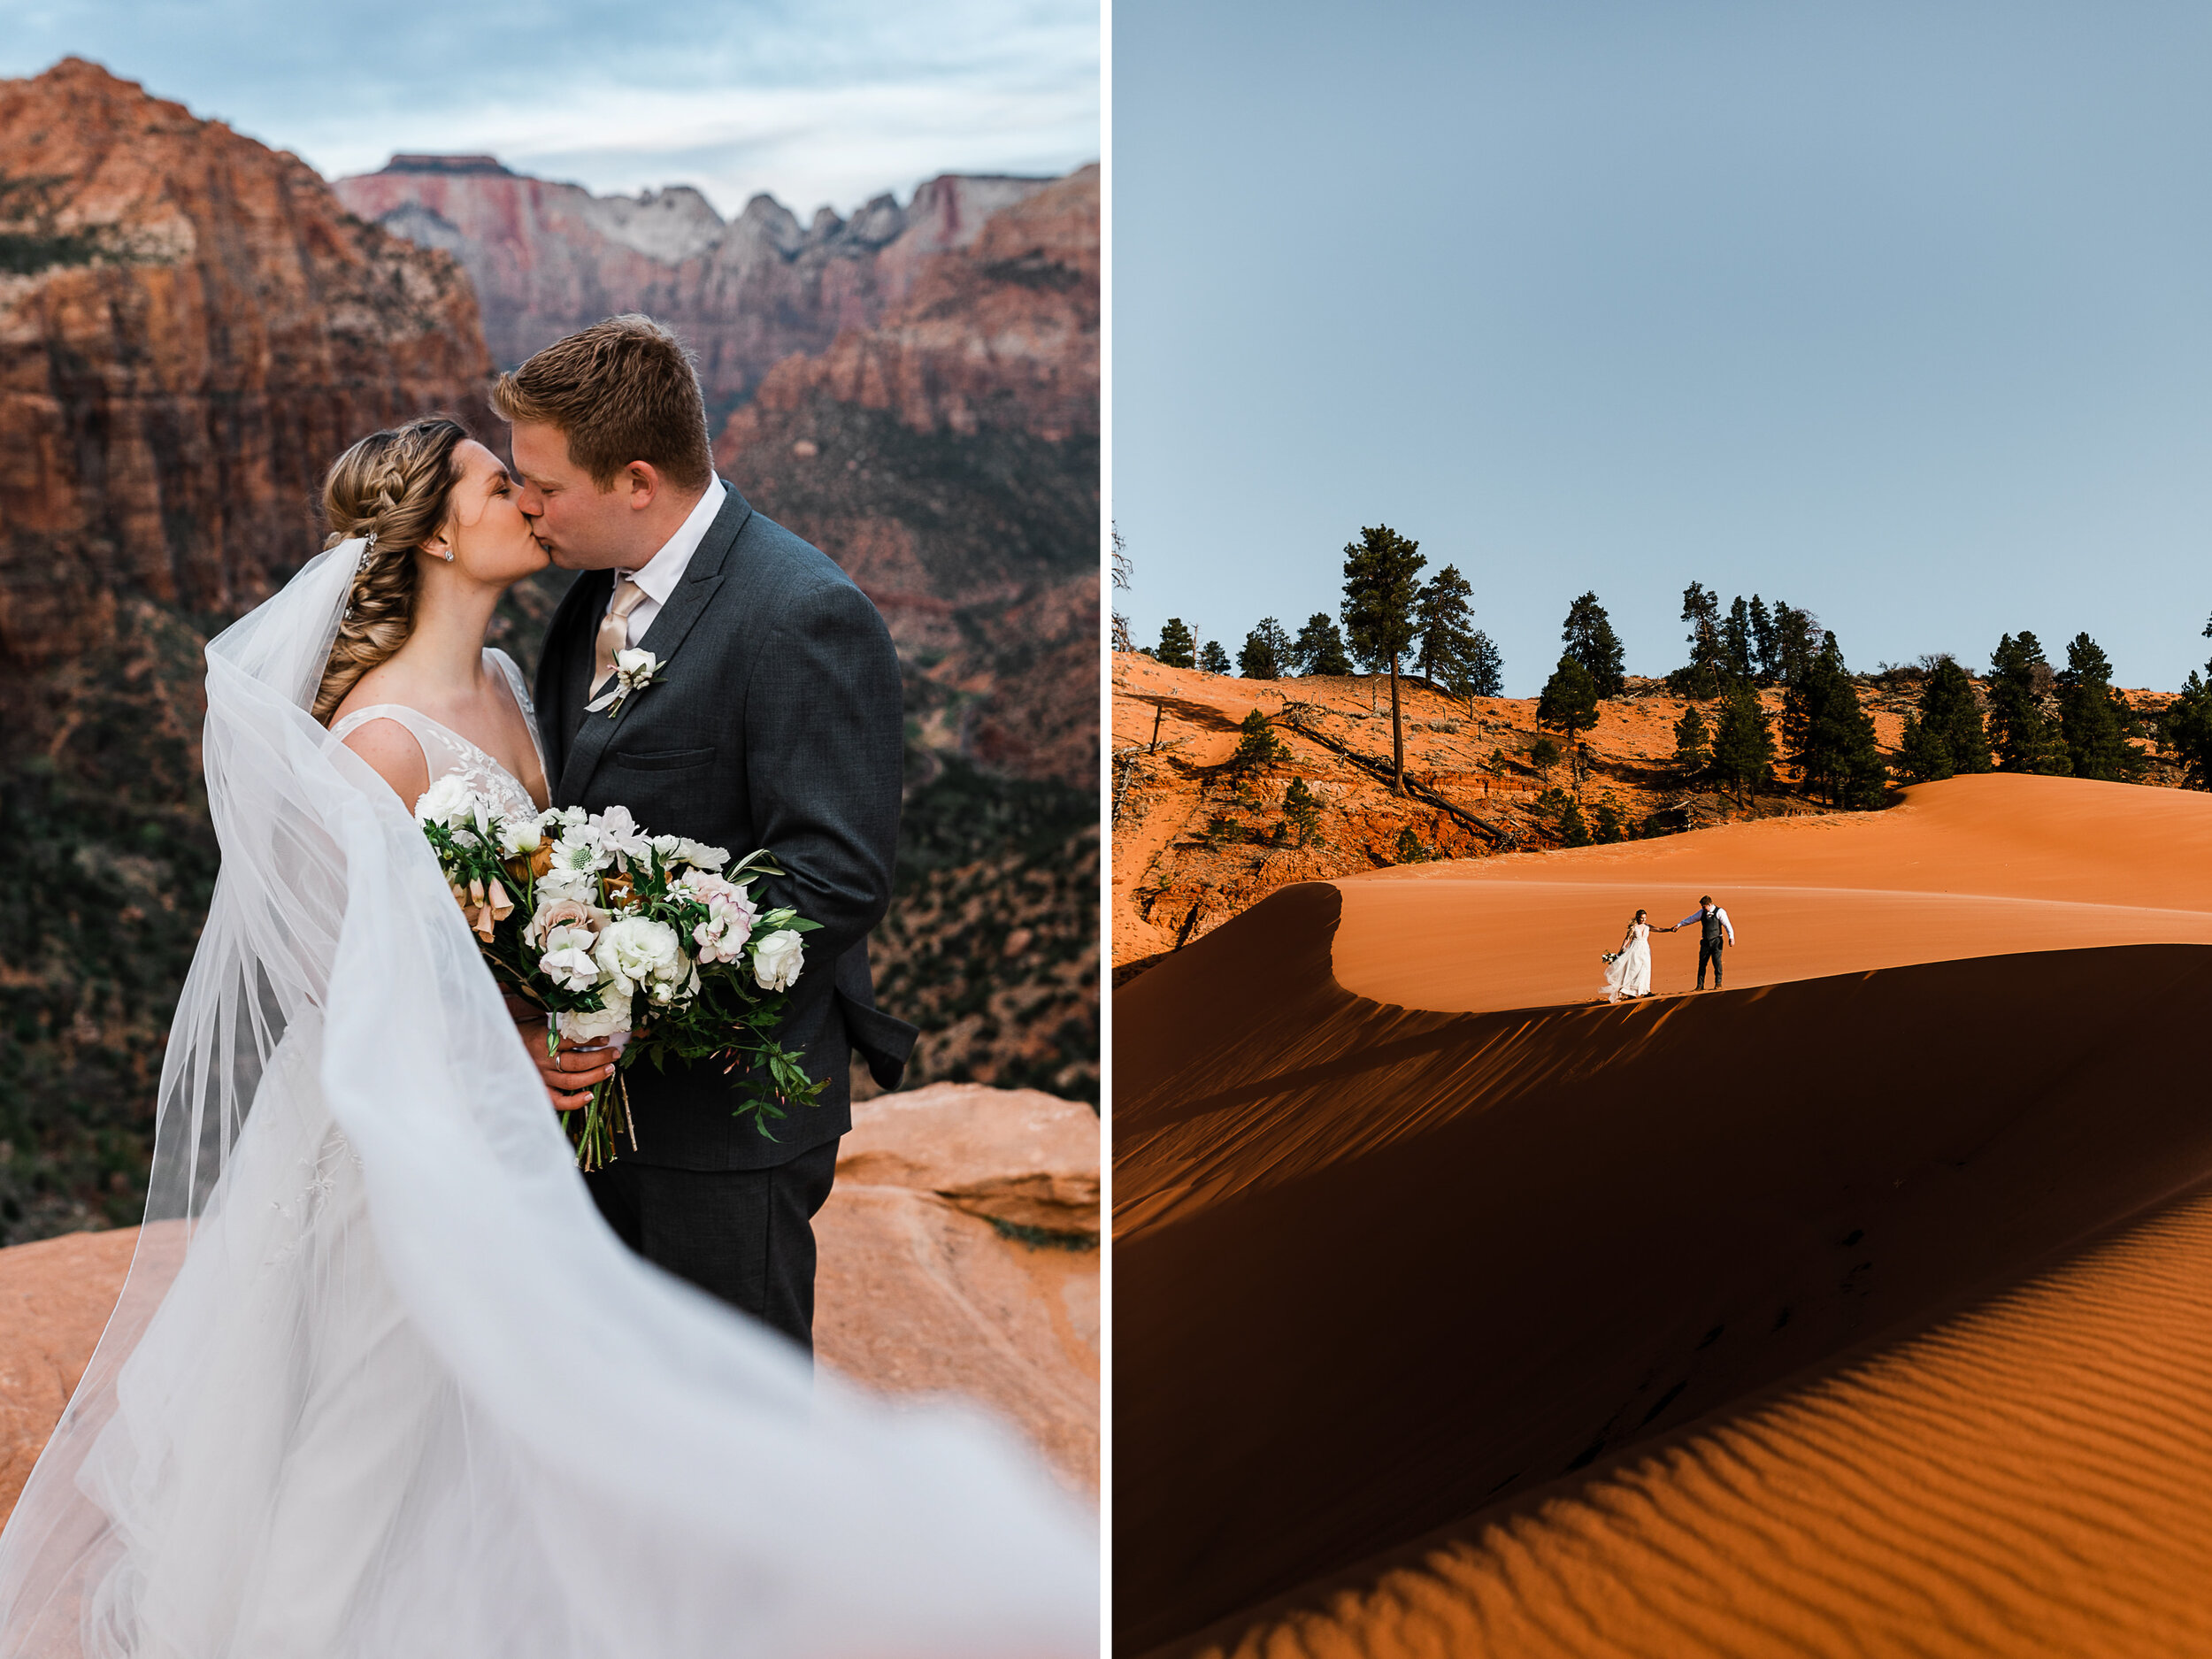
(947, 458)
(547, 258)
(191, 327)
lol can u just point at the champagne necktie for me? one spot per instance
(614, 631)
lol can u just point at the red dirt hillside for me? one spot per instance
(1472, 791)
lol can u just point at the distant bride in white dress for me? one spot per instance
(1629, 970)
(381, 1381)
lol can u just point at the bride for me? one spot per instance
(380, 1382)
(1629, 972)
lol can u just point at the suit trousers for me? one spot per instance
(744, 1235)
(1708, 950)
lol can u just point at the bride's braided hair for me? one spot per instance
(392, 485)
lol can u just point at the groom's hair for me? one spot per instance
(619, 391)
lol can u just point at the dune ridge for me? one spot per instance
(1384, 1269)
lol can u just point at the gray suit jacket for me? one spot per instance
(776, 722)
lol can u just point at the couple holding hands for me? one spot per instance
(1628, 970)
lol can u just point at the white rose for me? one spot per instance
(630, 662)
(778, 959)
(447, 802)
(637, 949)
(591, 1025)
(517, 839)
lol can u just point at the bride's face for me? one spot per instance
(484, 527)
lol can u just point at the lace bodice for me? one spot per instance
(447, 753)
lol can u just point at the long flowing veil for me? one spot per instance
(379, 1382)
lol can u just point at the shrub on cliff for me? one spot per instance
(1409, 849)
(1302, 813)
(1257, 745)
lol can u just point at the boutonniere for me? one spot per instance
(634, 671)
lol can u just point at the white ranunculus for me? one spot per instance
(591, 1025)
(515, 838)
(636, 949)
(778, 959)
(447, 802)
(666, 846)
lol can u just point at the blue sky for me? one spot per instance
(1900, 312)
(832, 101)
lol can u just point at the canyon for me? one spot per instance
(547, 258)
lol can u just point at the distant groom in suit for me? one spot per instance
(775, 722)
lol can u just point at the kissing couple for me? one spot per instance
(388, 1375)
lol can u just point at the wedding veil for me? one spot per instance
(368, 1267)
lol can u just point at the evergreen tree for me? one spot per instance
(1301, 812)
(1569, 703)
(1950, 717)
(1829, 733)
(1266, 653)
(1543, 754)
(1320, 648)
(1743, 746)
(1381, 587)
(1485, 669)
(1212, 658)
(1447, 626)
(1692, 744)
(2021, 734)
(1607, 825)
(1706, 673)
(1257, 745)
(2186, 728)
(1175, 648)
(1735, 639)
(1923, 756)
(1766, 644)
(1590, 640)
(2092, 720)
(1409, 849)
(1796, 642)
(1572, 831)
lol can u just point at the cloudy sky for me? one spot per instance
(830, 101)
(1900, 310)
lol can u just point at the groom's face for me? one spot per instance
(581, 526)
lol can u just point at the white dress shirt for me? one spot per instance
(661, 572)
(1697, 915)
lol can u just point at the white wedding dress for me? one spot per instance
(1630, 973)
(381, 1383)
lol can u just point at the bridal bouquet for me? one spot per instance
(654, 942)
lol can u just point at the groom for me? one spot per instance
(1714, 931)
(775, 722)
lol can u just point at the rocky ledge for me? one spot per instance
(959, 1256)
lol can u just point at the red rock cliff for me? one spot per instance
(191, 327)
(548, 258)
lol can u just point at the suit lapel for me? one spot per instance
(675, 619)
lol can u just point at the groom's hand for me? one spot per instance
(571, 1069)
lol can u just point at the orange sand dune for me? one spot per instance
(1700, 1325)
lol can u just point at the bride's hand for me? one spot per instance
(570, 1072)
